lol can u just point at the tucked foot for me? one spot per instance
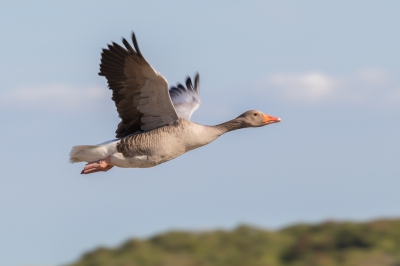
(98, 166)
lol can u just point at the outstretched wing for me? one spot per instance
(186, 100)
(140, 93)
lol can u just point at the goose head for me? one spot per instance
(254, 118)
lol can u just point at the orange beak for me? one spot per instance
(269, 119)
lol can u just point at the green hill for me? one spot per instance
(374, 243)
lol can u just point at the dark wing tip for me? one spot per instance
(189, 83)
(180, 86)
(197, 83)
(136, 45)
(128, 46)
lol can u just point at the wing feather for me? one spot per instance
(186, 100)
(139, 92)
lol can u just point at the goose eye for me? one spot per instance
(255, 114)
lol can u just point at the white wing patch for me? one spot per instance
(186, 100)
(186, 103)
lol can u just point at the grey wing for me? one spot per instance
(140, 93)
(186, 100)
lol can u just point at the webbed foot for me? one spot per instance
(98, 166)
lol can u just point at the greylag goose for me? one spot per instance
(155, 122)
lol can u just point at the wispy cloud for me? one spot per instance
(370, 86)
(307, 87)
(55, 97)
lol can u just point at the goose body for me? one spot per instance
(155, 122)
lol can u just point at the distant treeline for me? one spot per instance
(374, 243)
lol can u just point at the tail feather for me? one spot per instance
(78, 153)
(91, 153)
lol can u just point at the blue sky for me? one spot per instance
(329, 70)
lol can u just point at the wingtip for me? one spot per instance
(189, 84)
(197, 82)
(181, 87)
(128, 46)
(135, 44)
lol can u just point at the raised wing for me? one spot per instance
(140, 93)
(186, 100)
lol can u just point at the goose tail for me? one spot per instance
(91, 153)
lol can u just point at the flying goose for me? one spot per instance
(155, 122)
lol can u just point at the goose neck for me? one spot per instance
(229, 126)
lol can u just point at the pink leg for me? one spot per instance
(98, 166)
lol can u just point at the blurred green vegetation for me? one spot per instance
(374, 243)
